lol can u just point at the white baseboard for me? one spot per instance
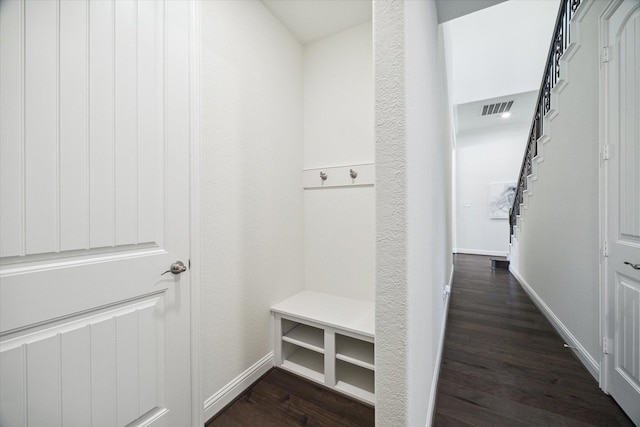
(589, 362)
(479, 252)
(233, 389)
(436, 373)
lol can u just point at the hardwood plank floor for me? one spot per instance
(280, 398)
(504, 364)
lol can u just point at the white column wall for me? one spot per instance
(413, 218)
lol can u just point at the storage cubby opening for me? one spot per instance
(303, 335)
(288, 325)
(354, 380)
(303, 361)
(355, 351)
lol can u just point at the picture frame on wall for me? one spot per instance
(501, 197)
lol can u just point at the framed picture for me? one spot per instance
(501, 196)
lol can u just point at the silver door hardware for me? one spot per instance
(353, 173)
(323, 176)
(176, 268)
(634, 266)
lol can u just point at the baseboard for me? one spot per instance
(233, 389)
(436, 373)
(584, 356)
(479, 252)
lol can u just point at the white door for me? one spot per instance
(94, 205)
(622, 73)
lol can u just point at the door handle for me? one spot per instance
(634, 266)
(176, 268)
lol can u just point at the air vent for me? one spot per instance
(500, 107)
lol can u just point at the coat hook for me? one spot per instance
(323, 176)
(353, 173)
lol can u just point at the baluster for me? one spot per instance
(547, 92)
(559, 44)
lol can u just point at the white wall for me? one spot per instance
(558, 243)
(499, 50)
(413, 188)
(252, 204)
(493, 155)
(338, 130)
(338, 99)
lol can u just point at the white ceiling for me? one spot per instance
(468, 117)
(452, 9)
(312, 20)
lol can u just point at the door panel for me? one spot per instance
(627, 362)
(97, 157)
(629, 110)
(11, 129)
(622, 364)
(74, 125)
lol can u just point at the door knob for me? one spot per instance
(176, 268)
(634, 266)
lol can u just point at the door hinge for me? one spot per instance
(605, 152)
(605, 54)
(605, 249)
(605, 345)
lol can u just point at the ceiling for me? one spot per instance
(312, 20)
(468, 117)
(452, 9)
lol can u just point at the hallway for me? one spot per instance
(504, 364)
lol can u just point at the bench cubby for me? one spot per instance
(328, 339)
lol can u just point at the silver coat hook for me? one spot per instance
(353, 173)
(323, 176)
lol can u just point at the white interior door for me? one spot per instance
(94, 205)
(622, 379)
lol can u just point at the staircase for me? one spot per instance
(563, 46)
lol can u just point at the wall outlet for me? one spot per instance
(446, 290)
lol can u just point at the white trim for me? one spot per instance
(81, 321)
(606, 326)
(86, 257)
(584, 356)
(480, 252)
(431, 408)
(150, 418)
(195, 141)
(233, 389)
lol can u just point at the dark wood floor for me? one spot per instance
(503, 363)
(281, 399)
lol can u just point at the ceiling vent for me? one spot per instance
(497, 108)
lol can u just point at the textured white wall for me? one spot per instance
(494, 155)
(391, 382)
(413, 156)
(252, 204)
(499, 50)
(338, 130)
(558, 242)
